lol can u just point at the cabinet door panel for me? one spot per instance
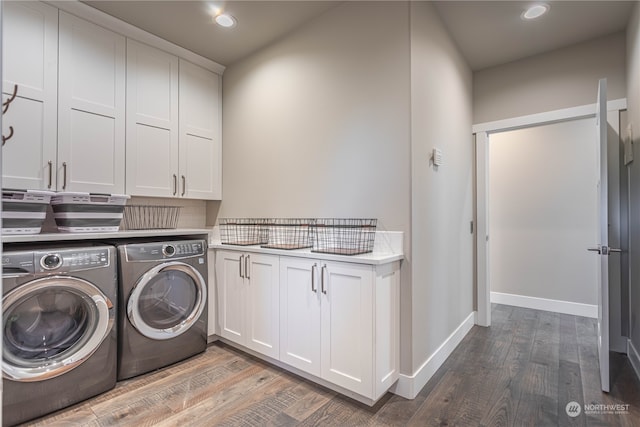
(91, 136)
(200, 132)
(299, 315)
(152, 121)
(347, 327)
(91, 107)
(263, 304)
(203, 178)
(152, 153)
(231, 296)
(30, 53)
(30, 48)
(24, 157)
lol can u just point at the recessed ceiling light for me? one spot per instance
(535, 11)
(225, 20)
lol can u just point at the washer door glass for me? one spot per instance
(167, 300)
(52, 325)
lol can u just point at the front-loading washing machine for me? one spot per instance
(163, 300)
(59, 334)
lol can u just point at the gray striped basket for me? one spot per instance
(24, 211)
(88, 212)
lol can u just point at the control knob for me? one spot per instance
(51, 261)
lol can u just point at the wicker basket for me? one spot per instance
(243, 231)
(343, 236)
(288, 233)
(143, 217)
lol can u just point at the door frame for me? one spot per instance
(481, 133)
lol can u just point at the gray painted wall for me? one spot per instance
(318, 125)
(559, 79)
(541, 218)
(338, 119)
(442, 198)
(633, 103)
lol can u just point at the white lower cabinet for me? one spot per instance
(336, 321)
(248, 285)
(339, 321)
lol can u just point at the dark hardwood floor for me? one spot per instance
(523, 371)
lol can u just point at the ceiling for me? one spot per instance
(488, 33)
(189, 24)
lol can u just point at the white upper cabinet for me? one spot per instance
(30, 50)
(152, 121)
(91, 107)
(200, 133)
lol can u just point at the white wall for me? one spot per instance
(442, 198)
(633, 103)
(543, 211)
(562, 78)
(317, 125)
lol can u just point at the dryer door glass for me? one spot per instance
(167, 300)
(51, 325)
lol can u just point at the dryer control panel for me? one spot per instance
(165, 250)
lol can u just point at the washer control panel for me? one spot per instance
(165, 250)
(72, 259)
(55, 260)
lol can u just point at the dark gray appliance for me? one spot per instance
(163, 300)
(59, 334)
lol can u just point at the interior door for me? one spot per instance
(603, 245)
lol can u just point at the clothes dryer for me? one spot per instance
(163, 300)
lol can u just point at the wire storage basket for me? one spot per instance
(288, 233)
(343, 236)
(149, 217)
(243, 231)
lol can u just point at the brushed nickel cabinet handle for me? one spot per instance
(314, 288)
(175, 184)
(247, 264)
(240, 265)
(64, 175)
(322, 282)
(50, 163)
(184, 185)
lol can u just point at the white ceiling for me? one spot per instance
(189, 24)
(488, 33)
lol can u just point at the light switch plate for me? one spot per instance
(436, 157)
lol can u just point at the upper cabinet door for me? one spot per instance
(152, 121)
(91, 108)
(200, 133)
(30, 49)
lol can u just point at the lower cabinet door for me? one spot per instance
(300, 314)
(231, 295)
(347, 326)
(262, 299)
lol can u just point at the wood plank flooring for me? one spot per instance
(520, 372)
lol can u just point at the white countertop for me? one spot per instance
(59, 237)
(387, 248)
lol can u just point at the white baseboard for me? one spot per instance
(634, 357)
(408, 386)
(556, 306)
